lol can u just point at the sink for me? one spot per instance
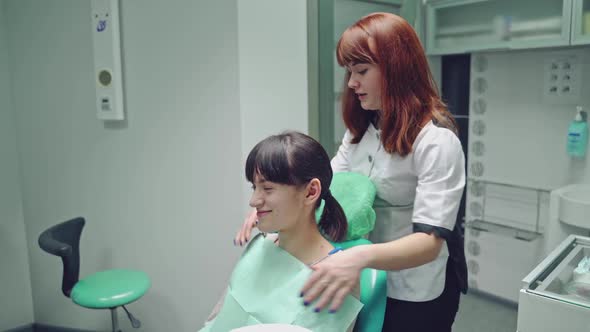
(574, 205)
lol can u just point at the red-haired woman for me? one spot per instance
(401, 135)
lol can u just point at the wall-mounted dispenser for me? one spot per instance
(577, 135)
(107, 59)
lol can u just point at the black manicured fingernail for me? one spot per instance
(317, 310)
(332, 311)
(306, 303)
(301, 295)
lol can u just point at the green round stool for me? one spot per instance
(108, 289)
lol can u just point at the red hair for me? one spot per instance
(409, 96)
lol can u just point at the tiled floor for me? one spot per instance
(477, 313)
(480, 313)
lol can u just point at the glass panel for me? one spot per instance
(586, 17)
(489, 23)
(569, 281)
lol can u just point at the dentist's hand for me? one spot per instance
(333, 279)
(243, 235)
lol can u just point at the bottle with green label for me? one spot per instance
(577, 135)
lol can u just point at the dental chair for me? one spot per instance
(356, 194)
(102, 290)
(373, 294)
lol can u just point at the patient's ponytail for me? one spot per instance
(333, 220)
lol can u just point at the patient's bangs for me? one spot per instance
(269, 160)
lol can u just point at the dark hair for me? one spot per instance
(408, 93)
(293, 158)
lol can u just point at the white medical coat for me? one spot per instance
(419, 191)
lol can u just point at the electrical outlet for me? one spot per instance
(561, 79)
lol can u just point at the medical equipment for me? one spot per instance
(107, 59)
(547, 300)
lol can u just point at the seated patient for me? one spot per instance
(290, 175)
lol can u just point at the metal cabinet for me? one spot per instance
(552, 298)
(504, 235)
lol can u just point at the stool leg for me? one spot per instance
(114, 320)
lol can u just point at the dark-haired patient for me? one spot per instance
(290, 175)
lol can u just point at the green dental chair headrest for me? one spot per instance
(356, 194)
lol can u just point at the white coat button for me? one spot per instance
(370, 159)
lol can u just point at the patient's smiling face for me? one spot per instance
(279, 206)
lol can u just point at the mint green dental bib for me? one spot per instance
(264, 288)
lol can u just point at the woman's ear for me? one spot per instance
(313, 191)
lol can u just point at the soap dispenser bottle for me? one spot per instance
(577, 135)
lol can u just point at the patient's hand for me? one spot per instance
(243, 235)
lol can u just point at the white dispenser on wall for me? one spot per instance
(107, 59)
